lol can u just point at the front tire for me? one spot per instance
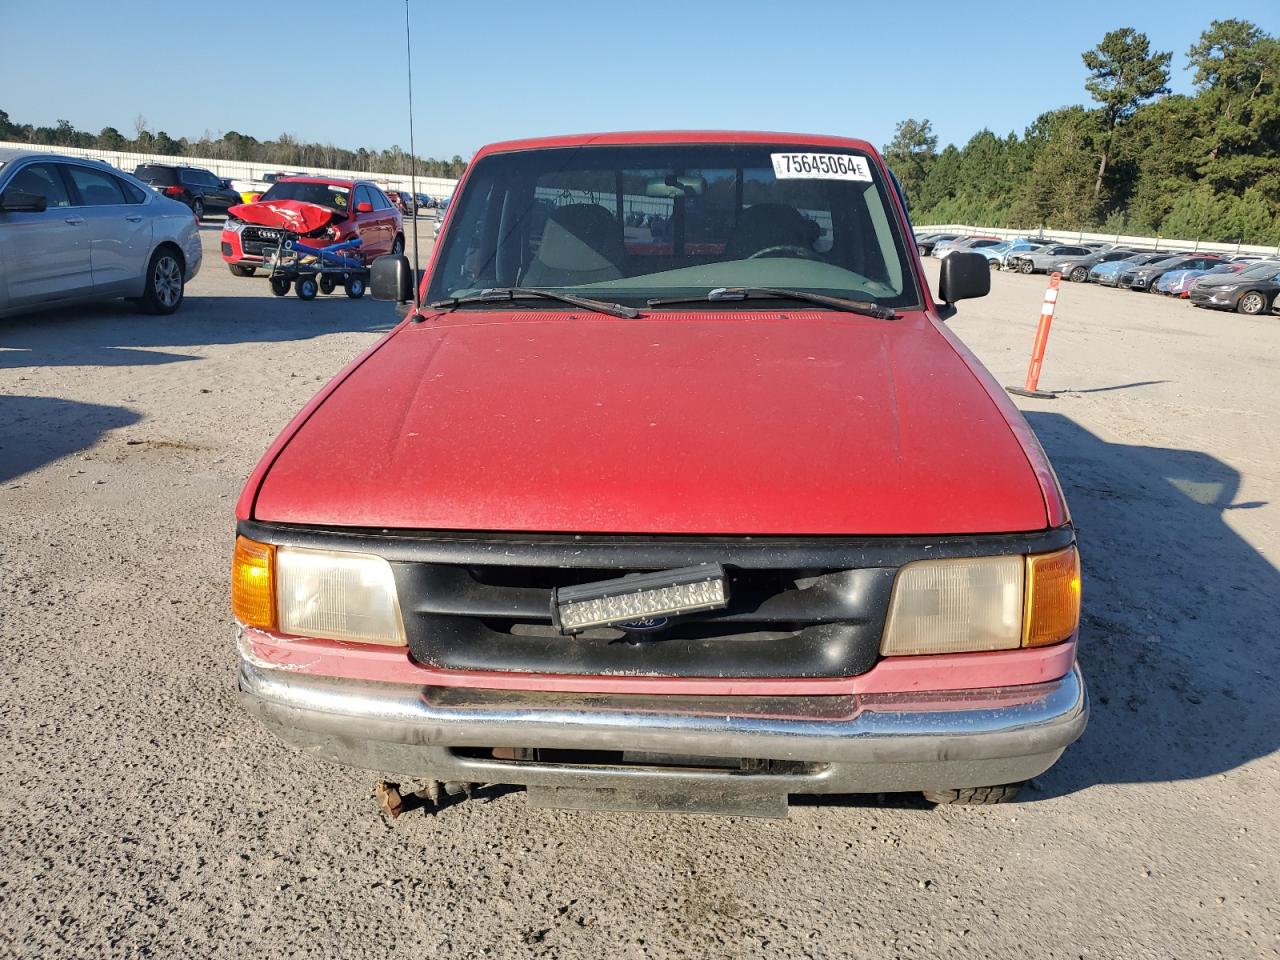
(280, 286)
(974, 796)
(1027, 267)
(166, 287)
(197, 207)
(1079, 275)
(307, 288)
(1251, 304)
(397, 246)
(242, 270)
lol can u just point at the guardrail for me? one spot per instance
(1119, 239)
(438, 187)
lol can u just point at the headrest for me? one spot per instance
(581, 237)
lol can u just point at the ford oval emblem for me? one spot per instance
(645, 624)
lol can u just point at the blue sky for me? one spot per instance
(491, 69)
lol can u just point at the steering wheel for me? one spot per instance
(785, 250)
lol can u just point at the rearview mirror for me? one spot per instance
(963, 277)
(670, 187)
(15, 201)
(392, 279)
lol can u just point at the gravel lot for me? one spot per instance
(143, 814)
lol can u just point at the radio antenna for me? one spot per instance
(413, 164)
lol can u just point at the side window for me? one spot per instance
(97, 188)
(42, 180)
(132, 192)
(362, 196)
(190, 177)
(380, 201)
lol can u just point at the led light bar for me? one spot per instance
(644, 597)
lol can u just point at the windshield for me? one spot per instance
(1264, 271)
(630, 224)
(322, 194)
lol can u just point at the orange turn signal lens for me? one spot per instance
(1053, 598)
(253, 595)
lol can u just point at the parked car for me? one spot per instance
(1178, 283)
(250, 191)
(365, 212)
(1108, 272)
(425, 202)
(998, 255)
(1252, 291)
(1141, 278)
(407, 201)
(968, 243)
(73, 230)
(442, 207)
(198, 188)
(926, 244)
(1044, 259)
(693, 622)
(1076, 269)
(396, 201)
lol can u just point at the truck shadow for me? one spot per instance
(115, 333)
(1180, 618)
(35, 431)
(1178, 638)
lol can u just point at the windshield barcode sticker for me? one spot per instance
(820, 166)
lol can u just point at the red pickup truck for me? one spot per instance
(675, 492)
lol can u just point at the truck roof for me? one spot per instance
(643, 137)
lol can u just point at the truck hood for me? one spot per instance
(693, 423)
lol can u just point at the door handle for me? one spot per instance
(134, 218)
(75, 221)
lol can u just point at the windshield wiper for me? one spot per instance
(499, 294)
(863, 307)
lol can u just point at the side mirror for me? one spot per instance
(964, 276)
(392, 279)
(15, 201)
(364, 206)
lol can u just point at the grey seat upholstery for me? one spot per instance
(769, 225)
(581, 243)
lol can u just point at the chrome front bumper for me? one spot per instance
(853, 744)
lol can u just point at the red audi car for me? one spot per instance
(676, 492)
(360, 209)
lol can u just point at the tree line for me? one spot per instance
(1138, 160)
(285, 151)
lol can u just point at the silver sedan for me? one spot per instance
(73, 229)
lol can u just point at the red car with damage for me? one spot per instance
(359, 209)
(675, 492)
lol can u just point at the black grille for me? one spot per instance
(257, 240)
(780, 622)
(799, 607)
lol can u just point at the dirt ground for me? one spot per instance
(142, 813)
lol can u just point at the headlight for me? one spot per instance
(327, 594)
(1226, 288)
(984, 603)
(233, 226)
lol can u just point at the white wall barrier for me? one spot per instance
(1068, 236)
(437, 187)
